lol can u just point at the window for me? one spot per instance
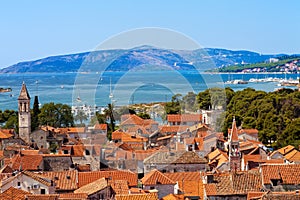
(19, 184)
(152, 187)
(43, 191)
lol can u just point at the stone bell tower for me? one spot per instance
(234, 149)
(24, 114)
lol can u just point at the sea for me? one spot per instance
(123, 88)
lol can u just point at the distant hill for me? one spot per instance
(139, 58)
(288, 64)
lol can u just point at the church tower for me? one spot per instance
(234, 150)
(24, 114)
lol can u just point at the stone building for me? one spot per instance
(24, 114)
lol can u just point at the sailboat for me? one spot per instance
(110, 91)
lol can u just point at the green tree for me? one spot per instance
(189, 101)
(109, 112)
(56, 115)
(35, 112)
(80, 116)
(174, 107)
(12, 122)
(144, 115)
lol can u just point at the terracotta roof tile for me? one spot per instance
(136, 190)
(100, 127)
(4, 134)
(255, 195)
(120, 186)
(173, 129)
(288, 173)
(280, 196)
(38, 177)
(184, 118)
(29, 152)
(234, 183)
(173, 197)
(27, 162)
(73, 196)
(64, 180)
(131, 120)
(176, 157)
(165, 137)
(13, 193)
(293, 156)
(145, 196)
(93, 187)
(88, 177)
(286, 149)
(117, 135)
(192, 188)
(210, 189)
(156, 177)
(77, 150)
(42, 197)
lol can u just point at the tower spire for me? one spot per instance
(234, 148)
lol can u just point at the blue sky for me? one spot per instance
(34, 29)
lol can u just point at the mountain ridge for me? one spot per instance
(139, 58)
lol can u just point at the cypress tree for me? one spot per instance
(35, 112)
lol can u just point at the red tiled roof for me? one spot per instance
(29, 152)
(88, 177)
(100, 127)
(73, 196)
(179, 176)
(93, 187)
(38, 177)
(77, 150)
(165, 137)
(210, 189)
(288, 173)
(255, 195)
(293, 156)
(286, 149)
(41, 196)
(131, 120)
(173, 129)
(5, 133)
(234, 183)
(145, 196)
(120, 186)
(27, 162)
(173, 197)
(64, 180)
(76, 129)
(13, 193)
(253, 131)
(184, 118)
(155, 177)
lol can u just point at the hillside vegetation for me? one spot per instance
(274, 114)
(284, 64)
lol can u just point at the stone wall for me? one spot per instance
(57, 163)
(163, 190)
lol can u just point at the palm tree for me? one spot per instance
(81, 116)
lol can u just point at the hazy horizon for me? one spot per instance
(33, 30)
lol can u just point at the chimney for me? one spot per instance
(210, 178)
